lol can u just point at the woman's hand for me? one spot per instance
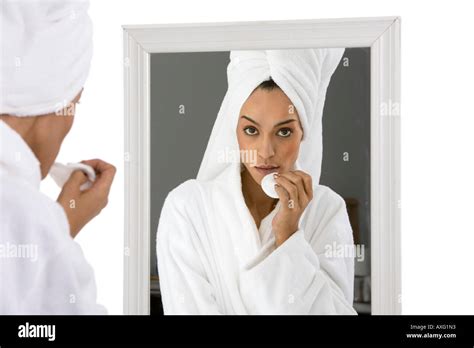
(295, 190)
(83, 206)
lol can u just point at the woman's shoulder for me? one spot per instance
(326, 195)
(189, 192)
(184, 191)
(33, 216)
(326, 204)
(327, 211)
(193, 188)
(184, 205)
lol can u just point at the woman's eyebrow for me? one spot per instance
(248, 118)
(278, 124)
(284, 122)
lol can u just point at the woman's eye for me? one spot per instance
(250, 130)
(284, 132)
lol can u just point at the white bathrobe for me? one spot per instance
(42, 269)
(205, 270)
(211, 257)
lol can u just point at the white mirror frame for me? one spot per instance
(381, 34)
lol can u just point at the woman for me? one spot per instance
(223, 246)
(45, 62)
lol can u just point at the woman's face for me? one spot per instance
(269, 125)
(50, 131)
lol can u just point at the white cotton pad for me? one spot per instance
(268, 185)
(61, 173)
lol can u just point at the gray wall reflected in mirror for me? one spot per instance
(186, 92)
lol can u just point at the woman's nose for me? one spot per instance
(266, 149)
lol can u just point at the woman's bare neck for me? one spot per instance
(257, 201)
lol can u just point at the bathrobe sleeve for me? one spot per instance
(300, 277)
(184, 285)
(65, 281)
(65, 284)
(55, 277)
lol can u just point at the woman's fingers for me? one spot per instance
(297, 179)
(298, 182)
(99, 165)
(105, 174)
(75, 181)
(283, 195)
(289, 186)
(295, 190)
(308, 182)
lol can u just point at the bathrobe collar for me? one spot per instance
(16, 157)
(237, 221)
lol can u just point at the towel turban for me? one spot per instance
(46, 49)
(302, 74)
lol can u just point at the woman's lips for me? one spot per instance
(266, 171)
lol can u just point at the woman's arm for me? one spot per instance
(184, 286)
(299, 276)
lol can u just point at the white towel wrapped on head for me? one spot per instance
(302, 74)
(46, 49)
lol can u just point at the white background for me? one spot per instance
(437, 134)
